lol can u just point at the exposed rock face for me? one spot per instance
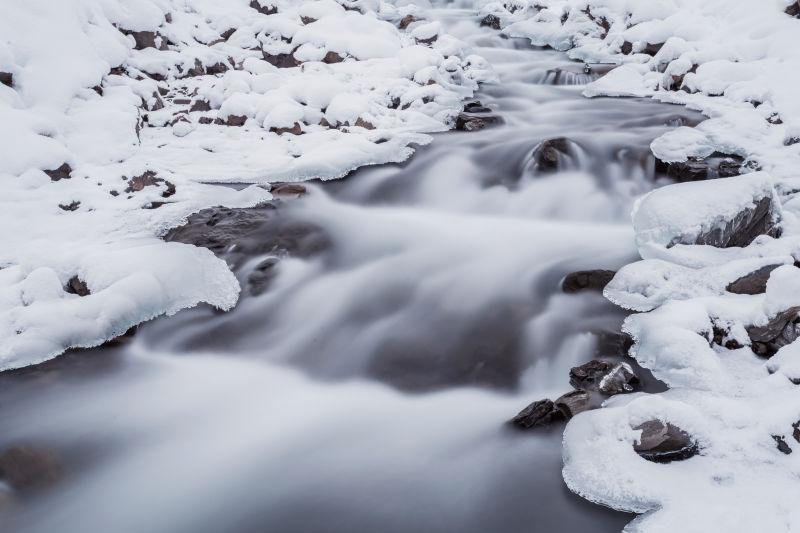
(744, 228)
(547, 156)
(572, 403)
(538, 414)
(587, 280)
(491, 21)
(663, 442)
(61, 173)
(716, 165)
(27, 467)
(781, 330)
(752, 283)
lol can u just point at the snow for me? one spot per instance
(84, 95)
(737, 61)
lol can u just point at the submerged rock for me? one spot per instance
(26, 467)
(258, 281)
(662, 442)
(548, 155)
(780, 331)
(538, 414)
(752, 283)
(587, 280)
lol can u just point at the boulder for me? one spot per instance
(588, 375)
(620, 380)
(752, 283)
(587, 280)
(491, 21)
(662, 442)
(549, 154)
(744, 227)
(572, 403)
(200, 105)
(538, 414)
(469, 122)
(780, 331)
(717, 165)
(611, 343)
(147, 39)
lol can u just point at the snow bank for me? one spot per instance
(117, 115)
(738, 62)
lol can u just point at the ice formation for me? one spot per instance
(118, 114)
(737, 62)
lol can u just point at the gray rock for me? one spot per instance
(781, 444)
(587, 280)
(620, 380)
(588, 376)
(663, 442)
(573, 403)
(744, 228)
(550, 153)
(491, 21)
(781, 330)
(538, 414)
(470, 122)
(752, 283)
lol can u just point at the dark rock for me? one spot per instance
(76, 285)
(793, 10)
(72, 206)
(721, 336)
(547, 156)
(588, 375)
(361, 123)
(147, 179)
(26, 467)
(572, 403)
(294, 130)
(744, 228)
(626, 48)
(538, 414)
(476, 107)
(288, 189)
(796, 431)
(6, 78)
(217, 68)
(696, 169)
(781, 444)
(780, 331)
(610, 343)
(267, 9)
(235, 120)
(587, 280)
(332, 57)
(663, 443)
(227, 34)
(406, 21)
(791, 141)
(491, 21)
(205, 120)
(61, 173)
(146, 39)
(752, 283)
(467, 122)
(281, 60)
(620, 380)
(259, 279)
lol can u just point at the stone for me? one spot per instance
(744, 227)
(796, 431)
(406, 21)
(717, 165)
(613, 343)
(587, 280)
(26, 467)
(793, 10)
(288, 189)
(752, 283)
(332, 57)
(63, 172)
(259, 279)
(146, 39)
(148, 179)
(538, 414)
(476, 107)
(72, 206)
(662, 442)
(294, 130)
(588, 375)
(781, 444)
(6, 78)
(574, 402)
(491, 21)
(547, 156)
(235, 121)
(468, 122)
(76, 285)
(281, 60)
(200, 105)
(267, 9)
(780, 331)
(620, 380)
(217, 68)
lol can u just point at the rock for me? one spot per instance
(148, 179)
(26, 467)
(468, 122)
(613, 343)
(793, 10)
(61, 173)
(721, 337)
(717, 165)
(406, 21)
(796, 431)
(259, 279)
(491, 21)
(294, 130)
(620, 380)
(267, 9)
(75, 285)
(217, 68)
(227, 34)
(663, 442)
(332, 57)
(146, 39)
(587, 280)
(744, 228)
(200, 105)
(361, 123)
(72, 206)
(288, 189)
(781, 444)
(547, 156)
(572, 403)
(752, 283)
(780, 331)
(281, 60)
(588, 376)
(476, 107)
(6, 78)
(235, 120)
(538, 414)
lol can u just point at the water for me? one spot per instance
(368, 388)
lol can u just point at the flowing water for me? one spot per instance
(367, 388)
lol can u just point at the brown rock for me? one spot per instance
(76, 285)
(288, 189)
(744, 227)
(780, 331)
(406, 21)
(294, 130)
(663, 442)
(61, 173)
(200, 105)
(26, 467)
(265, 8)
(332, 57)
(538, 414)
(752, 283)
(572, 403)
(468, 122)
(281, 60)
(547, 156)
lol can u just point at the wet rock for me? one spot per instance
(613, 343)
(200, 105)
(547, 156)
(288, 189)
(72, 206)
(491, 21)
(7, 79)
(752, 283)
(587, 280)
(263, 8)
(796, 431)
(468, 122)
(259, 279)
(663, 442)
(476, 107)
(744, 228)
(780, 331)
(572, 403)
(538, 414)
(281, 60)
(76, 285)
(26, 467)
(61, 173)
(717, 165)
(781, 444)
(620, 380)
(588, 376)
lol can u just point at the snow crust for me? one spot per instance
(192, 92)
(738, 62)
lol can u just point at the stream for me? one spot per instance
(365, 380)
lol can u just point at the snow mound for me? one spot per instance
(118, 115)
